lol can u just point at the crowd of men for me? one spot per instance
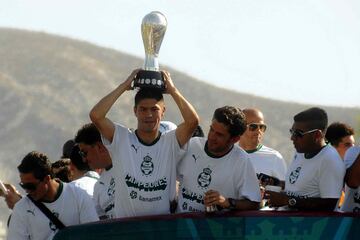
(117, 172)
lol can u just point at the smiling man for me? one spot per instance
(215, 173)
(144, 160)
(315, 177)
(70, 204)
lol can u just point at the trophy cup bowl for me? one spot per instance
(153, 28)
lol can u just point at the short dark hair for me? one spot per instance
(198, 132)
(61, 169)
(232, 117)
(88, 134)
(77, 159)
(36, 163)
(315, 118)
(67, 147)
(146, 93)
(336, 131)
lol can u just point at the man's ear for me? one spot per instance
(235, 139)
(164, 109)
(47, 178)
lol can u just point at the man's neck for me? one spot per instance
(217, 154)
(147, 137)
(52, 192)
(77, 174)
(314, 152)
(248, 146)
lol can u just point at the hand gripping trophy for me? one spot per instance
(153, 29)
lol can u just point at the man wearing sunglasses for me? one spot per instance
(70, 204)
(315, 177)
(215, 173)
(266, 161)
(96, 155)
(144, 160)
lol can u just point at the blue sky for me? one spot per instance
(300, 50)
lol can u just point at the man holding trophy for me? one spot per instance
(144, 160)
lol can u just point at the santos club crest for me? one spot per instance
(294, 175)
(204, 178)
(147, 166)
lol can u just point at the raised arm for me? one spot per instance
(99, 111)
(185, 129)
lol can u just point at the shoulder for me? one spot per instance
(23, 204)
(329, 152)
(351, 155)
(330, 157)
(240, 154)
(197, 143)
(270, 151)
(72, 189)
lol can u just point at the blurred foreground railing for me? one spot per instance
(229, 225)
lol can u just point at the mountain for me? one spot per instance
(49, 83)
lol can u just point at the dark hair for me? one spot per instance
(36, 163)
(198, 132)
(67, 147)
(77, 159)
(336, 131)
(88, 134)
(232, 117)
(146, 93)
(315, 118)
(61, 169)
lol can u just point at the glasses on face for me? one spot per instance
(348, 144)
(299, 134)
(254, 126)
(29, 186)
(83, 154)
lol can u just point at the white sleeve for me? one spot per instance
(119, 133)
(351, 155)
(280, 167)
(178, 151)
(96, 198)
(247, 182)
(331, 177)
(87, 210)
(18, 227)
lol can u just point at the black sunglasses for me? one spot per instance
(254, 126)
(299, 134)
(82, 154)
(29, 186)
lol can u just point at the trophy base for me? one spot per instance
(149, 79)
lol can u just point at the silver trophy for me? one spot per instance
(153, 29)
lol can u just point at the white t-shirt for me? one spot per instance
(352, 195)
(232, 175)
(269, 161)
(145, 175)
(73, 206)
(166, 126)
(87, 182)
(104, 194)
(319, 177)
